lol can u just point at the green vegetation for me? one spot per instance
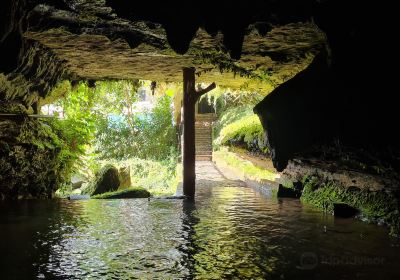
(373, 205)
(34, 159)
(106, 179)
(158, 177)
(149, 135)
(241, 127)
(104, 125)
(127, 193)
(243, 167)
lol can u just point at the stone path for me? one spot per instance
(207, 174)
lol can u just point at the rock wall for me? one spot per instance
(348, 97)
(324, 183)
(298, 113)
(32, 162)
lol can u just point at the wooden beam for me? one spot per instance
(207, 89)
(190, 97)
(189, 150)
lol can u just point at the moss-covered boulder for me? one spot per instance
(106, 180)
(128, 193)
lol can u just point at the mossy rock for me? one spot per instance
(106, 180)
(373, 205)
(128, 193)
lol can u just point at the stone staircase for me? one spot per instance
(203, 130)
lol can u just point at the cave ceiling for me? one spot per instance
(234, 46)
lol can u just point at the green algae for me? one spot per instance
(375, 206)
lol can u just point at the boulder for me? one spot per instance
(106, 180)
(288, 192)
(77, 181)
(343, 210)
(125, 177)
(77, 185)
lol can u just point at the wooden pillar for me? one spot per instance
(190, 96)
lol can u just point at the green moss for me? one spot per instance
(374, 206)
(128, 193)
(243, 166)
(34, 160)
(93, 184)
(241, 127)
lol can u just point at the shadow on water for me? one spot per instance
(189, 220)
(228, 233)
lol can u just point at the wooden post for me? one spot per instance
(190, 97)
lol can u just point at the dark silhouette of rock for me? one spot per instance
(288, 192)
(296, 115)
(343, 210)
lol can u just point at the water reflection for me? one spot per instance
(229, 233)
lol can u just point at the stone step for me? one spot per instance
(203, 137)
(204, 124)
(204, 158)
(199, 152)
(203, 143)
(204, 154)
(208, 154)
(203, 149)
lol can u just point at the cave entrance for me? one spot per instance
(65, 41)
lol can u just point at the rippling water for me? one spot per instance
(229, 233)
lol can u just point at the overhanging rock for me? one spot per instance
(297, 113)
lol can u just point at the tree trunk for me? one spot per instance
(190, 96)
(189, 149)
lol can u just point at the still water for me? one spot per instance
(229, 233)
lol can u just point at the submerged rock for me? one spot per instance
(106, 180)
(288, 192)
(129, 193)
(78, 197)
